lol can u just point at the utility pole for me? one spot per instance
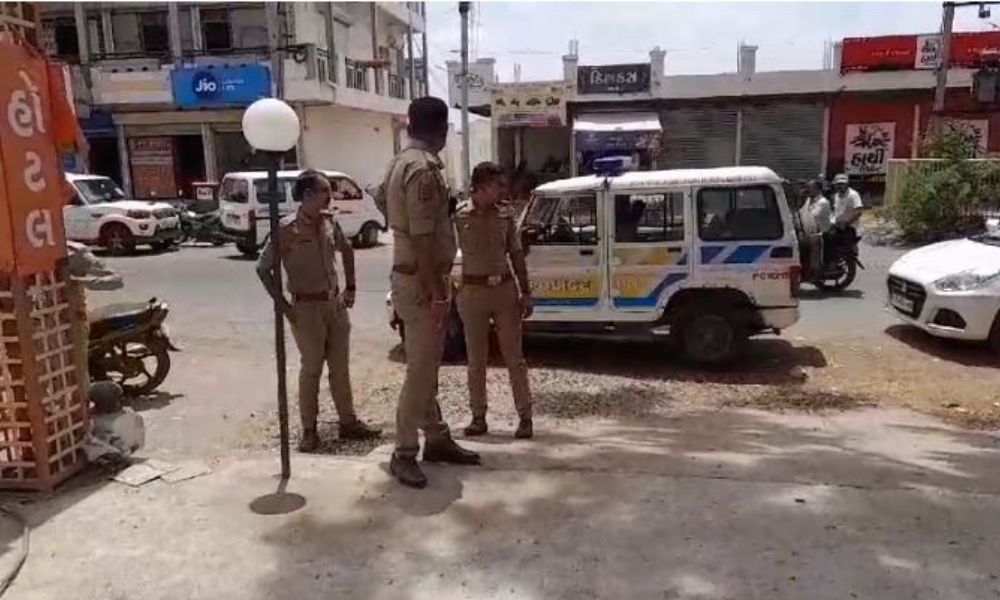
(947, 22)
(463, 9)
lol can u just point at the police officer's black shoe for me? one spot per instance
(309, 442)
(524, 429)
(478, 426)
(447, 451)
(357, 430)
(407, 471)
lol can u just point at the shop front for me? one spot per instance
(636, 135)
(532, 139)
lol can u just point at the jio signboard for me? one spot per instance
(220, 86)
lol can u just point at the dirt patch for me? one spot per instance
(800, 398)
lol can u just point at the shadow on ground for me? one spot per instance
(720, 505)
(970, 354)
(812, 293)
(765, 361)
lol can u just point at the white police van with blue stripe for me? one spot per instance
(707, 256)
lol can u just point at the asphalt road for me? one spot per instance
(220, 315)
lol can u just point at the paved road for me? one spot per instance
(220, 314)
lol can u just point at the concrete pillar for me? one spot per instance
(124, 163)
(273, 39)
(569, 71)
(738, 153)
(109, 33)
(413, 65)
(82, 32)
(197, 35)
(426, 65)
(174, 27)
(300, 145)
(208, 150)
(656, 67)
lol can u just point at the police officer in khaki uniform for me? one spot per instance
(310, 239)
(487, 235)
(416, 200)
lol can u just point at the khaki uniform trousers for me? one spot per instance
(477, 305)
(322, 331)
(418, 406)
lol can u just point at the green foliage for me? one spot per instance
(945, 198)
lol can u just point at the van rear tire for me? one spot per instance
(711, 335)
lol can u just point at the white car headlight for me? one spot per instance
(967, 280)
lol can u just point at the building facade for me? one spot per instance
(871, 103)
(160, 89)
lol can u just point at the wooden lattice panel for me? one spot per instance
(43, 411)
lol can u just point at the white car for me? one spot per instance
(99, 214)
(951, 289)
(244, 208)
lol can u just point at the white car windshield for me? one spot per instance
(97, 191)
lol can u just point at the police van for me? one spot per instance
(707, 257)
(244, 213)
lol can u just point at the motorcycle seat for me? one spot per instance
(117, 316)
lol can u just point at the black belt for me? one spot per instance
(315, 296)
(486, 280)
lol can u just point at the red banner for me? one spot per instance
(880, 53)
(909, 52)
(32, 189)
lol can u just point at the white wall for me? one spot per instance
(357, 142)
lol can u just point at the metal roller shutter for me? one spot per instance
(698, 137)
(785, 136)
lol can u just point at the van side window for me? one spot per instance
(641, 218)
(234, 190)
(284, 189)
(739, 214)
(567, 220)
(344, 189)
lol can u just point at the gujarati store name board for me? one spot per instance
(613, 79)
(869, 148)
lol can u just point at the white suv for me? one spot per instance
(99, 214)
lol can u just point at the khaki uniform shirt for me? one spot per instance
(487, 236)
(308, 253)
(416, 198)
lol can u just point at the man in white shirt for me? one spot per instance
(815, 215)
(847, 203)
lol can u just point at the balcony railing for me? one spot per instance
(397, 89)
(356, 75)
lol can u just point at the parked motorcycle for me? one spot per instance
(205, 228)
(840, 262)
(130, 345)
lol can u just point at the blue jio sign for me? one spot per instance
(220, 86)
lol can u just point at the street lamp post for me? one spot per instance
(272, 127)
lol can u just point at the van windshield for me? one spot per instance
(99, 190)
(233, 190)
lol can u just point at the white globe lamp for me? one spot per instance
(271, 125)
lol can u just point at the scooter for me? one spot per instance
(840, 260)
(130, 345)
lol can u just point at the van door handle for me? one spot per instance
(586, 252)
(674, 250)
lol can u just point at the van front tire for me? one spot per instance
(710, 335)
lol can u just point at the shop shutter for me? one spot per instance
(785, 136)
(698, 137)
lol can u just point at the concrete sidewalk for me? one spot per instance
(737, 504)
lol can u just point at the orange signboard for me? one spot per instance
(32, 187)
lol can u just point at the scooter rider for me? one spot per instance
(847, 203)
(816, 217)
